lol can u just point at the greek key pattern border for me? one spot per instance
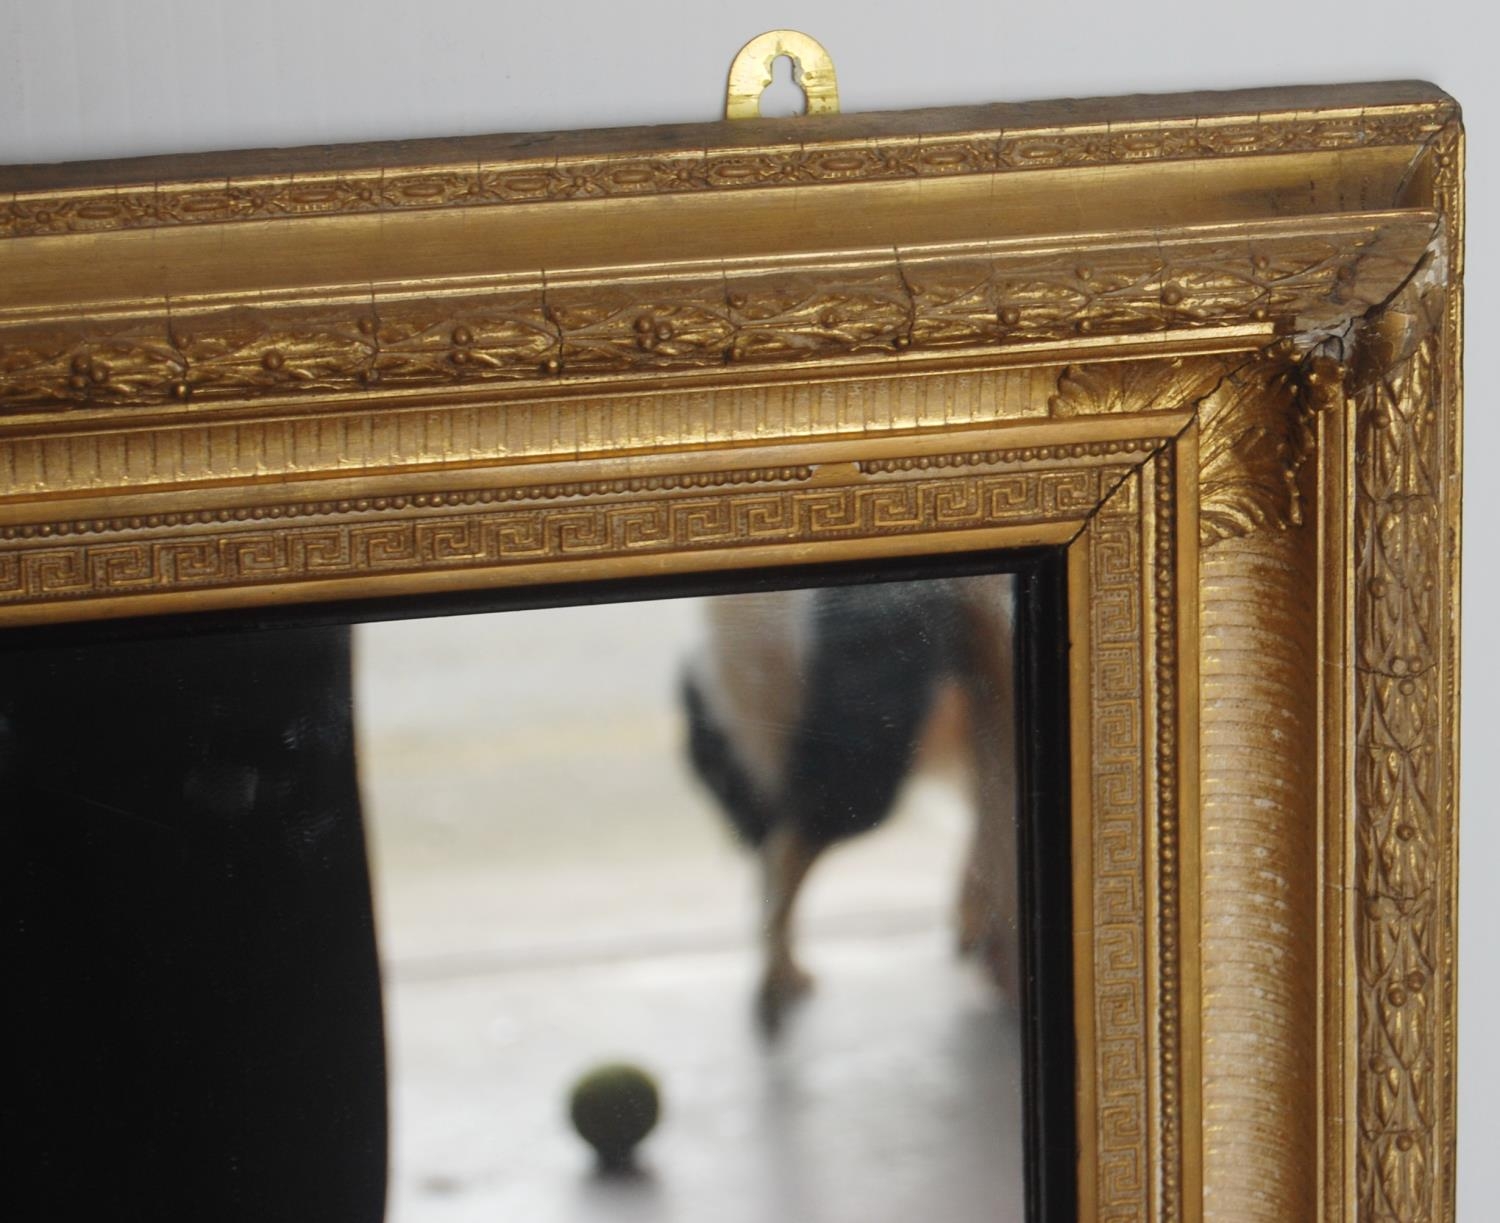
(473, 530)
(1119, 748)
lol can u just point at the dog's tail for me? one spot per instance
(721, 771)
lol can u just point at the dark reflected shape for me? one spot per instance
(807, 713)
(613, 1107)
(189, 944)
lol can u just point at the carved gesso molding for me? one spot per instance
(517, 181)
(1258, 770)
(1405, 411)
(1161, 564)
(549, 332)
(1256, 418)
(1131, 981)
(1269, 1018)
(1137, 386)
(283, 544)
(1257, 433)
(1405, 533)
(89, 453)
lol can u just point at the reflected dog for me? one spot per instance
(807, 712)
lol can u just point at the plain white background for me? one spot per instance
(93, 78)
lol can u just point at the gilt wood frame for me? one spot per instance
(1208, 344)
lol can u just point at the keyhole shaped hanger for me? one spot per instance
(751, 73)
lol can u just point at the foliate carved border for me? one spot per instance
(1405, 410)
(1404, 692)
(1450, 189)
(438, 534)
(544, 333)
(262, 198)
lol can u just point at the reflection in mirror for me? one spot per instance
(635, 833)
(187, 939)
(601, 835)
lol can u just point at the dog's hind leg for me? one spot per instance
(786, 856)
(988, 912)
(989, 897)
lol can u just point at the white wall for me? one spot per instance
(89, 78)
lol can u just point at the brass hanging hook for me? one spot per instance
(750, 73)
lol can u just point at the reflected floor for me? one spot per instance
(554, 891)
(891, 1096)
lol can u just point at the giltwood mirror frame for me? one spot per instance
(1208, 345)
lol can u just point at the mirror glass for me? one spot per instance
(637, 833)
(726, 907)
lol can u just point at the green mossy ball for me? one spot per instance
(613, 1107)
